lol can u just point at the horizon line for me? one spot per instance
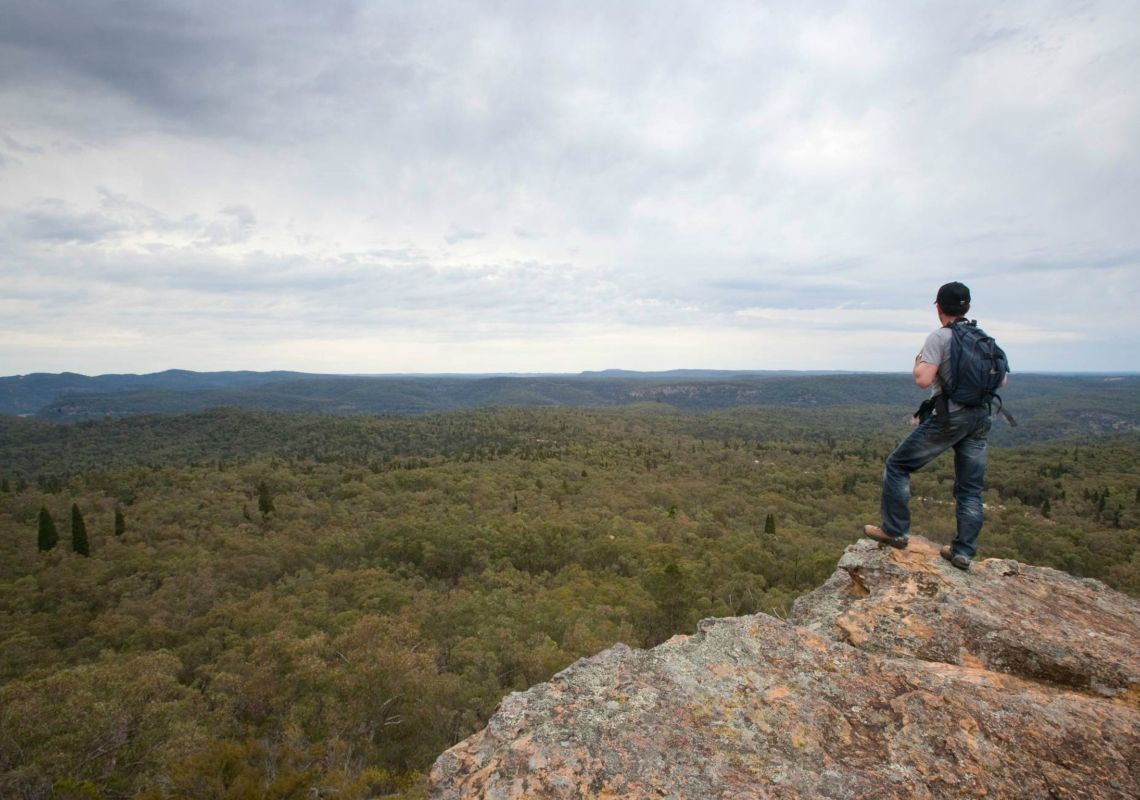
(610, 372)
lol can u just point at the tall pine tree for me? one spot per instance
(120, 522)
(48, 535)
(78, 532)
(264, 500)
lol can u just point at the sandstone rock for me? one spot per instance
(1034, 622)
(904, 678)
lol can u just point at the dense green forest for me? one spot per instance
(296, 606)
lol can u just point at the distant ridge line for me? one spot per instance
(69, 397)
(613, 372)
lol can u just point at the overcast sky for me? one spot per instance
(355, 186)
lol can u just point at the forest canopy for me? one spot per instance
(294, 606)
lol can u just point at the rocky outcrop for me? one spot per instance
(899, 677)
(1033, 622)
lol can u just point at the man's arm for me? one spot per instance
(924, 373)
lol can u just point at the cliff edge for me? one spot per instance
(899, 677)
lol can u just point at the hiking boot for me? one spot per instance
(880, 535)
(957, 559)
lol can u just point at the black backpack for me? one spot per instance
(978, 367)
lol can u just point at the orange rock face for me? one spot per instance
(1002, 616)
(899, 677)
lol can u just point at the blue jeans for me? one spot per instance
(966, 433)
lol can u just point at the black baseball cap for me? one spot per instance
(953, 298)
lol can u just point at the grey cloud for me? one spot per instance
(345, 291)
(234, 224)
(141, 218)
(182, 60)
(987, 39)
(16, 146)
(12, 149)
(692, 159)
(52, 221)
(493, 102)
(745, 285)
(440, 76)
(1045, 262)
(397, 255)
(459, 234)
(32, 296)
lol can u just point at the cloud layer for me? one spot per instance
(374, 186)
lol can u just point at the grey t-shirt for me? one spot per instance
(936, 350)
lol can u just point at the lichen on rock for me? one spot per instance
(899, 677)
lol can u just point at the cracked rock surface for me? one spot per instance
(1003, 616)
(899, 677)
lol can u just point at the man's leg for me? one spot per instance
(917, 450)
(969, 480)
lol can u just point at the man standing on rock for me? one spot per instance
(943, 424)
